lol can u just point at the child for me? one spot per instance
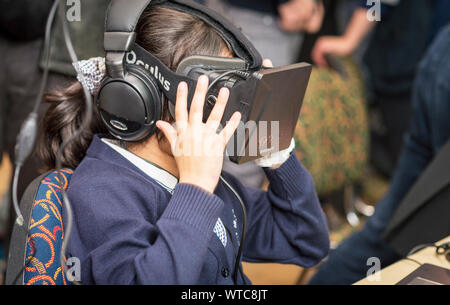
(153, 212)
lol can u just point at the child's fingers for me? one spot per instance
(181, 113)
(231, 127)
(169, 132)
(198, 101)
(216, 114)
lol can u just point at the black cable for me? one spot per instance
(28, 132)
(83, 126)
(418, 248)
(413, 260)
(47, 41)
(415, 250)
(238, 72)
(237, 264)
(440, 250)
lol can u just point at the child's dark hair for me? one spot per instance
(169, 35)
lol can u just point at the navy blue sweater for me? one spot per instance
(128, 229)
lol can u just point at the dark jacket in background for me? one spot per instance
(425, 216)
(397, 46)
(23, 20)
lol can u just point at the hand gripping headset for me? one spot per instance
(130, 99)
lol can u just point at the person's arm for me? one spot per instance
(301, 15)
(285, 224)
(356, 31)
(429, 128)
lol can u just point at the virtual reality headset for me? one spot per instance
(130, 99)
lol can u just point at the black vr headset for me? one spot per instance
(130, 99)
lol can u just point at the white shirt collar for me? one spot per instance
(163, 177)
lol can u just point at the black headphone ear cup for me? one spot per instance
(130, 107)
(152, 97)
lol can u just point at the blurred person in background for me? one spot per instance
(396, 46)
(275, 27)
(428, 133)
(334, 145)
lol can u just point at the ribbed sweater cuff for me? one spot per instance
(290, 178)
(194, 206)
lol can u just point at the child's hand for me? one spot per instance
(335, 45)
(197, 147)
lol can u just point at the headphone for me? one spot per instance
(130, 98)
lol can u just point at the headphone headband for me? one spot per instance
(123, 16)
(233, 36)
